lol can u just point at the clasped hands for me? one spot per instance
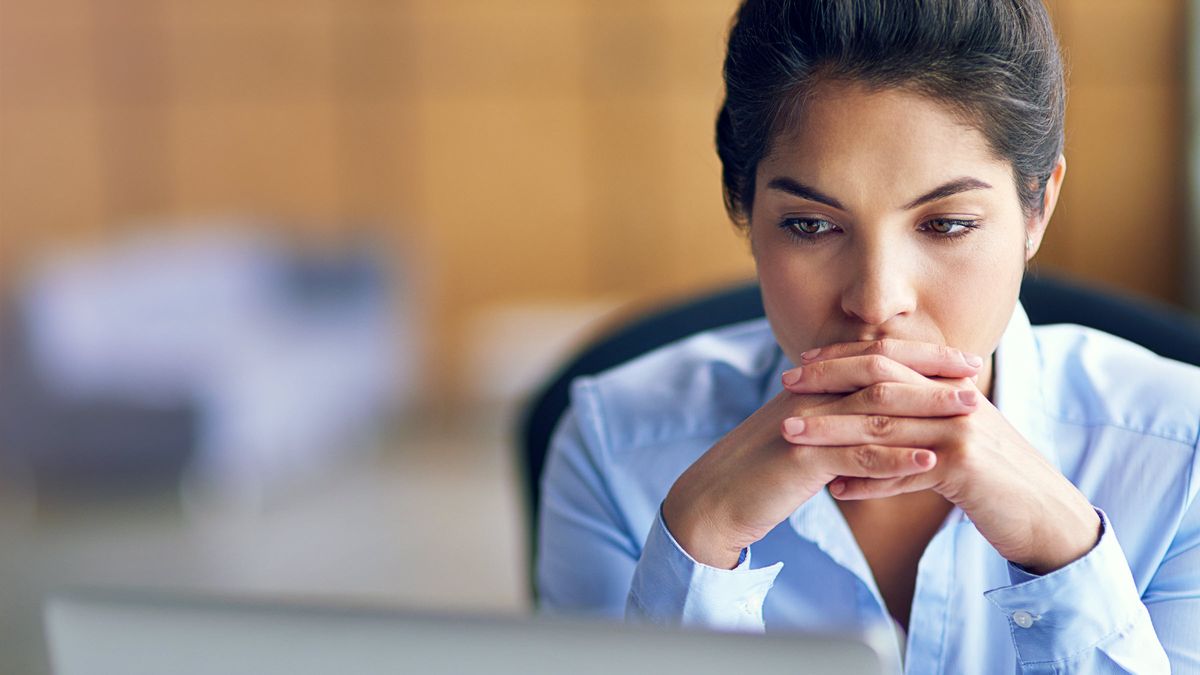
(872, 420)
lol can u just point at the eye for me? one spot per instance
(949, 228)
(807, 228)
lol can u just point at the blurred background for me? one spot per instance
(276, 276)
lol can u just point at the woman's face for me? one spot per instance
(882, 215)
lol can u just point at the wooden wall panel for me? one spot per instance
(51, 181)
(498, 48)
(1121, 215)
(706, 247)
(273, 157)
(276, 56)
(46, 58)
(1120, 218)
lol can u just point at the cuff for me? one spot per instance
(1072, 609)
(669, 587)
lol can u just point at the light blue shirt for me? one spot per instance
(1120, 422)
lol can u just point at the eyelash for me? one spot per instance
(788, 226)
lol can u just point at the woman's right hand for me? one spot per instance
(752, 479)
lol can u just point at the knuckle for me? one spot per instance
(947, 353)
(879, 425)
(902, 461)
(816, 372)
(949, 397)
(881, 347)
(879, 366)
(878, 395)
(867, 457)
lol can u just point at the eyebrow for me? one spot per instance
(946, 189)
(798, 189)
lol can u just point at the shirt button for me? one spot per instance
(1022, 618)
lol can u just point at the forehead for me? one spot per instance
(852, 138)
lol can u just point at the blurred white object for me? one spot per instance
(131, 633)
(291, 358)
(512, 348)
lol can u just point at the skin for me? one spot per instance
(893, 410)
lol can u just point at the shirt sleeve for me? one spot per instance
(585, 557)
(1086, 617)
(1173, 596)
(588, 563)
(670, 587)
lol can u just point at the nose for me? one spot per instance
(881, 285)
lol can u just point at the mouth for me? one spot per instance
(874, 337)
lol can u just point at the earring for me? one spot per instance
(1028, 243)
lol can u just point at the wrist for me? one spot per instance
(697, 535)
(1065, 547)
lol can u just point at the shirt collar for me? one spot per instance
(1017, 384)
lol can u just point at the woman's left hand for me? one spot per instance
(1029, 512)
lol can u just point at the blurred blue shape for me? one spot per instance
(287, 359)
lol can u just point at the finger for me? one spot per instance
(867, 461)
(926, 358)
(906, 400)
(916, 432)
(841, 376)
(852, 488)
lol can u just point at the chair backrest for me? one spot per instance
(1167, 331)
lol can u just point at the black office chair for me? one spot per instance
(1160, 328)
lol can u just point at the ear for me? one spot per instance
(1036, 228)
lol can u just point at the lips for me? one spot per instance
(872, 337)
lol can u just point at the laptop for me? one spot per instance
(152, 633)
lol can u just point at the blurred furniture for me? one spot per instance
(215, 358)
(1160, 328)
(82, 446)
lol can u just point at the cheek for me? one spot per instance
(973, 297)
(797, 297)
(785, 278)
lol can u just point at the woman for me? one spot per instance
(894, 444)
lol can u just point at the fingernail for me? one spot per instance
(837, 487)
(923, 458)
(972, 360)
(792, 376)
(794, 426)
(810, 354)
(968, 397)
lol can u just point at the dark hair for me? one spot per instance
(995, 62)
